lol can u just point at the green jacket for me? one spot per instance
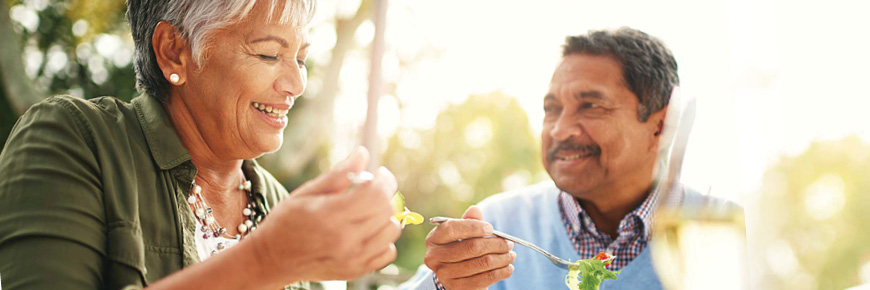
(89, 196)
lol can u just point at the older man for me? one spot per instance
(604, 115)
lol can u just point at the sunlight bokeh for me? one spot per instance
(781, 127)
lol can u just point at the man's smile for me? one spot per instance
(570, 152)
(573, 157)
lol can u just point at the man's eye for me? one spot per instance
(268, 57)
(552, 110)
(589, 106)
(300, 62)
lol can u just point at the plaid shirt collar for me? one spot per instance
(640, 219)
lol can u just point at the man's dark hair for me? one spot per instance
(648, 67)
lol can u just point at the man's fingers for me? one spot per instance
(473, 212)
(476, 265)
(454, 230)
(469, 249)
(482, 280)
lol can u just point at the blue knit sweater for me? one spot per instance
(532, 214)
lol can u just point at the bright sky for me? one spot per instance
(770, 77)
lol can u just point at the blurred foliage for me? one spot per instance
(480, 147)
(95, 59)
(815, 210)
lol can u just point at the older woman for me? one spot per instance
(163, 192)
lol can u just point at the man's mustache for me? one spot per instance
(584, 149)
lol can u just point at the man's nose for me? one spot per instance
(565, 127)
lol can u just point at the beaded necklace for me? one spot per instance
(211, 227)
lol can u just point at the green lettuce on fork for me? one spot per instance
(402, 213)
(588, 274)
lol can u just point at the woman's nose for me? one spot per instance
(292, 80)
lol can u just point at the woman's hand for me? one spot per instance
(328, 229)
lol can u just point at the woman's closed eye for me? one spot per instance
(268, 57)
(275, 58)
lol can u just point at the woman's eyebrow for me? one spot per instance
(279, 40)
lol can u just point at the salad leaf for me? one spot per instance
(588, 274)
(402, 213)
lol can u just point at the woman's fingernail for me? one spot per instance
(487, 229)
(510, 245)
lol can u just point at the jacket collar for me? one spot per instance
(166, 148)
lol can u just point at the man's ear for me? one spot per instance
(659, 128)
(171, 50)
(657, 119)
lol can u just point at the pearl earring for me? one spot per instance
(173, 78)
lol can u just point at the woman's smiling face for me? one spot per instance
(252, 73)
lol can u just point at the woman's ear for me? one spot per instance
(171, 51)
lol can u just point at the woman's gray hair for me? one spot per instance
(197, 21)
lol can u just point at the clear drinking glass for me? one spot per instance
(696, 244)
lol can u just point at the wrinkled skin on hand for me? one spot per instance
(329, 230)
(464, 255)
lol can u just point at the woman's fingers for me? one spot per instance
(369, 200)
(382, 259)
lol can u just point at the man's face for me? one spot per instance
(592, 140)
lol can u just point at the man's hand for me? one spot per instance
(463, 257)
(329, 229)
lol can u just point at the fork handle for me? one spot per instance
(440, 220)
(522, 242)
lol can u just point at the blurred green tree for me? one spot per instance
(815, 213)
(80, 47)
(478, 148)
